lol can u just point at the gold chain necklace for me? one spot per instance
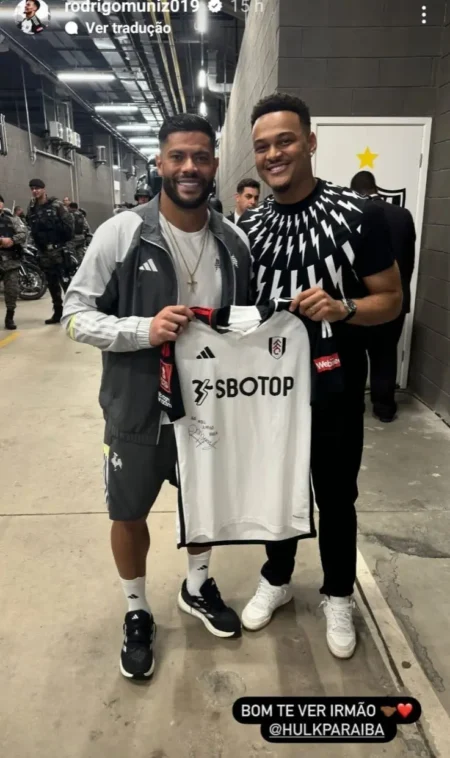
(191, 283)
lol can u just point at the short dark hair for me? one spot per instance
(281, 101)
(74, 206)
(363, 181)
(186, 122)
(247, 183)
(37, 4)
(1, 199)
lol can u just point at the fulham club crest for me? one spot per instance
(277, 347)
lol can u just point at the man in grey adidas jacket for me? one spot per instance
(142, 272)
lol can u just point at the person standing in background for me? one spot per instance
(246, 198)
(20, 213)
(12, 236)
(82, 232)
(382, 341)
(143, 195)
(52, 227)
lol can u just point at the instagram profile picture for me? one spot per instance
(32, 16)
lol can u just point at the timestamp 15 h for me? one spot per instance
(244, 5)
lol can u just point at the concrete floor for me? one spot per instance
(404, 521)
(62, 609)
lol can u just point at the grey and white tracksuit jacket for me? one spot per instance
(112, 300)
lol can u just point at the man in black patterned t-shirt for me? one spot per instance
(329, 249)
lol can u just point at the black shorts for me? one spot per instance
(134, 473)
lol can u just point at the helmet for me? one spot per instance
(143, 190)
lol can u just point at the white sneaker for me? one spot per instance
(267, 598)
(341, 635)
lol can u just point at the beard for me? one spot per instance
(170, 187)
(283, 188)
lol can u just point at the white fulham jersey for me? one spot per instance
(238, 385)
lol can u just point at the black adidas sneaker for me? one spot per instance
(136, 659)
(210, 608)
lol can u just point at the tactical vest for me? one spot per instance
(46, 225)
(7, 230)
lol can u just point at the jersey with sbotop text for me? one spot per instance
(238, 385)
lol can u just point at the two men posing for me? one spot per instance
(318, 244)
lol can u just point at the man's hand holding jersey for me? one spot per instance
(169, 323)
(382, 303)
(317, 305)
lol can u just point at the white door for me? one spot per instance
(396, 151)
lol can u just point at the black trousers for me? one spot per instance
(56, 280)
(336, 452)
(382, 342)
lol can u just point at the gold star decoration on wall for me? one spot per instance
(367, 158)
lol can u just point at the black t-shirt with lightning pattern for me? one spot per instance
(333, 239)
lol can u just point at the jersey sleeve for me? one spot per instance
(374, 253)
(169, 395)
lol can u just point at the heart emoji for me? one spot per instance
(404, 709)
(388, 710)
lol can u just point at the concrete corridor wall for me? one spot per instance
(256, 76)
(95, 189)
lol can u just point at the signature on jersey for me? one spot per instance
(201, 439)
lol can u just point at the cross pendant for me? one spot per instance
(191, 283)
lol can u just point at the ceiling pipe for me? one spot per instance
(128, 66)
(29, 57)
(176, 64)
(139, 50)
(164, 60)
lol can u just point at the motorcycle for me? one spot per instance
(32, 281)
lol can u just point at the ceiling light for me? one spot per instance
(148, 150)
(202, 19)
(116, 166)
(202, 78)
(144, 141)
(116, 108)
(85, 76)
(203, 110)
(137, 127)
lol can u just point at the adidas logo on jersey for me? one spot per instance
(148, 266)
(206, 353)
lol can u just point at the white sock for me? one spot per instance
(197, 571)
(134, 590)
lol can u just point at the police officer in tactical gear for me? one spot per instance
(82, 232)
(12, 237)
(143, 195)
(52, 227)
